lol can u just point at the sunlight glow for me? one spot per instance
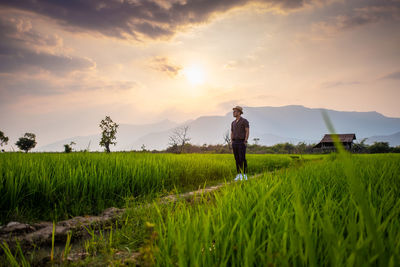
(194, 74)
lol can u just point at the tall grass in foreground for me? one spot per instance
(52, 186)
(311, 216)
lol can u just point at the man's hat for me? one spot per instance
(238, 108)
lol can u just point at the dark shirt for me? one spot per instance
(238, 128)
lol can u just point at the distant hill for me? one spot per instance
(270, 124)
(393, 139)
(127, 134)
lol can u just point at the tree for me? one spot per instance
(227, 139)
(256, 139)
(301, 148)
(360, 147)
(379, 147)
(396, 149)
(68, 147)
(3, 139)
(143, 147)
(179, 138)
(27, 142)
(109, 130)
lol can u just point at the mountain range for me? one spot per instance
(271, 125)
(393, 139)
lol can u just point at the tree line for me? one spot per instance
(282, 148)
(28, 141)
(25, 143)
(179, 142)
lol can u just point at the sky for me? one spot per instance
(65, 65)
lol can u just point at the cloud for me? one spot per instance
(33, 64)
(394, 76)
(370, 12)
(230, 104)
(337, 84)
(248, 62)
(24, 49)
(134, 19)
(264, 97)
(231, 64)
(164, 65)
(14, 87)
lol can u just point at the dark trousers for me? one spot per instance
(239, 150)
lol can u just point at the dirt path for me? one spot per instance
(40, 234)
(173, 198)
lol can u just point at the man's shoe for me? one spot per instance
(239, 177)
(245, 177)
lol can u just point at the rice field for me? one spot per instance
(334, 210)
(54, 186)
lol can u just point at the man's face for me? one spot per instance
(236, 113)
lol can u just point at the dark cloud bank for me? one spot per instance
(138, 19)
(24, 49)
(363, 12)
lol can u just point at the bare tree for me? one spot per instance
(179, 137)
(227, 139)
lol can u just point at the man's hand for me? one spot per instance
(247, 135)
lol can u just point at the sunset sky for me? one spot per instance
(64, 65)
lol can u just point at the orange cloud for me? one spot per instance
(164, 65)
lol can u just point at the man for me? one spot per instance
(239, 137)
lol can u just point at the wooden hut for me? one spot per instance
(326, 144)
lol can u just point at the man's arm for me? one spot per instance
(231, 136)
(247, 134)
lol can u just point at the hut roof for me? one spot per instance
(344, 138)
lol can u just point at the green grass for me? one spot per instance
(53, 186)
(321, 214)
(343, 210)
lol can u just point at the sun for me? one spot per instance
(194, 74)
